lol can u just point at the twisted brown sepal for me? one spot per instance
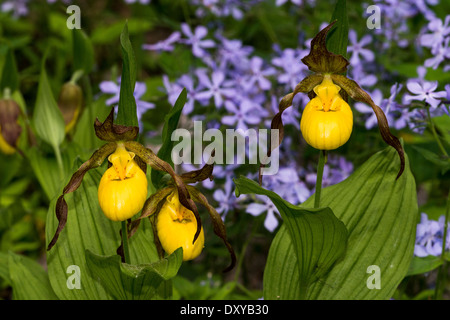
(9, 114)
(108, 131)
(306, 86)
(321, 60)
(94, 161)
(358, 94)
(218, 225)
(150, 158)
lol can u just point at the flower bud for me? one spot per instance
(70, 103)
(177, 226)
(327, 120)
(123, 188)
(10, 130)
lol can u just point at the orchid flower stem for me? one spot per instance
(433, 130)
(126, 250)
(322, 161)
(442, 279)
(59, 160)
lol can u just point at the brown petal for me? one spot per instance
(218, 225)
(108, 131)
(200, 174)
(358, 94)
(75, 181)
(10, 129)
(320, 59)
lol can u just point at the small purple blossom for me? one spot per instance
(256, 209)
(194, 39)
(429, 237)
(424, 91)
(244, 114)
(216, 87)
(359, 53)
(138, 1)
(164, 45)
(17, 7)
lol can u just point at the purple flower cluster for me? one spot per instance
(429, 237)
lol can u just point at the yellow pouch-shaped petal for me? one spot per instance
(123, 188)
(327, 120)
(176, 227)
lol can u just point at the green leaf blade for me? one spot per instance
(127, 113)
(47, 118)
(170, 124)
(319, 239)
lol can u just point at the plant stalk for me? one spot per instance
(322, 161)
(126, 250)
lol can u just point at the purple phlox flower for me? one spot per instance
(361, 77)
(164, 45)
(186, 81)
(218, 87)
(292, 70)
(232, 51)
(442, 53)
(111, 87)
(424, 91)
(439, 30)
(290, 187)
(17, 7)
(429, 237)
(341, 169)
(195, 39)
(335, 171)
(258, 75)
(138, 1)
(357, 48)
(364, 108)
(281, 2)
(173, 89)
(245, 113)
(256, 209)
(291, 115)
(226, 198)
(64, 1)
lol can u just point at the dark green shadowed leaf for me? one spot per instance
(48, 121)
(127, 114)
(83, 52)
(134, 282)
(338, 36)
(28, 279)
(319, 239)
(10, 76)
(380, 214)
(170, 124)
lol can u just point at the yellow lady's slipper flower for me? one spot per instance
(327, 120)
(123, 188)
(176, 227)
(5, 147)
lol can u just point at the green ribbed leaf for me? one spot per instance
(318, 240)
(381, 216)
(87, 228)
(133, 282)
(127, 114)
(28, 279)
(170, 124)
